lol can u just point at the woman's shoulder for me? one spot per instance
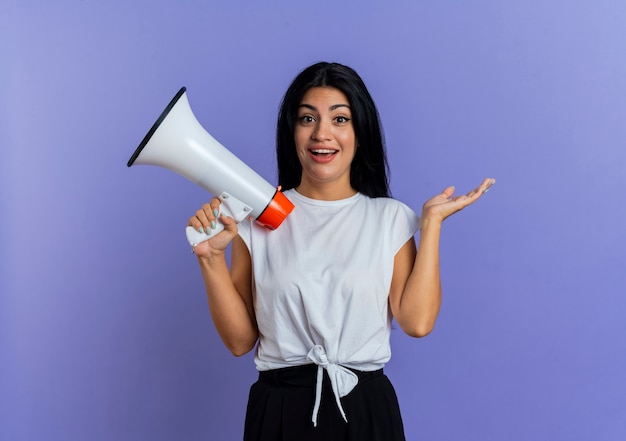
(397, 211)
(387, 203)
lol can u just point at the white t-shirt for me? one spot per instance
(323, 278)
(321, 283)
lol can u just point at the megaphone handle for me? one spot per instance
(194, 237)
(230, 207)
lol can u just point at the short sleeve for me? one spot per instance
(404, 224)
(244, 229)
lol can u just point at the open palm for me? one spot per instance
(445, 203)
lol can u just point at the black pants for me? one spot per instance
(281, 402)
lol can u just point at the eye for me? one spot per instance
(306, 120)
(341, 119)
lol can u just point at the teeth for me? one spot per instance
(323, 151)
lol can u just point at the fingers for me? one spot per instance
(229, 224)
(446, 204)
(448, 192)
(206, 217)
(482, 188)
(486, 184)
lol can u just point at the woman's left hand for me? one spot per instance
(445, 204)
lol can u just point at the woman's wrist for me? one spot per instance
(211, 259)
(429, 223)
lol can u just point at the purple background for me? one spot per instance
(104, 329)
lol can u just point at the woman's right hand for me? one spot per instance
(206, 219)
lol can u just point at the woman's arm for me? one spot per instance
(229, 293)
(415, 295)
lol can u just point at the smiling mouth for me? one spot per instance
(323, 152)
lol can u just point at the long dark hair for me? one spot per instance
(369, 169)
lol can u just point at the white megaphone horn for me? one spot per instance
(178, 142)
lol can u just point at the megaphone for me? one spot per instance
(179, 143)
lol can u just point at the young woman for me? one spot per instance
(317, 296)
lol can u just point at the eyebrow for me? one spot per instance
(333, 107)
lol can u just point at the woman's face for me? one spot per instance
(325, 139)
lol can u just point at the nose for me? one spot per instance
(323, 131)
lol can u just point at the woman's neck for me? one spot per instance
(325, 192)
